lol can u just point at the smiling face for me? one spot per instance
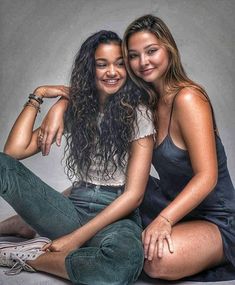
(110, 69)
(148, 57)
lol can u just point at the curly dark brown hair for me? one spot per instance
(110, 142)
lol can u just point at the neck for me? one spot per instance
(102, 100)
(159, 87)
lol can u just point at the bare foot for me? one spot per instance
(15, 225)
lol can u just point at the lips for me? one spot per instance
(146, 71)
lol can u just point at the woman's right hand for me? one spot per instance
(153, 238)
(52, 91)
(52, 127)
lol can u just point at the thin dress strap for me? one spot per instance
(172, 106)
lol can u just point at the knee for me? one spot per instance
(127, 252)
(125, 246)
(161, 268)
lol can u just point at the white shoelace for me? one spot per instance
(17, 261)
(18, 266)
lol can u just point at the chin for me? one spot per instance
(111, 91)
(151, 78)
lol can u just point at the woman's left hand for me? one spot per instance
(52, 126)
(65, 243)
(153, 238)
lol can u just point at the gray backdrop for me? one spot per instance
(39, 39)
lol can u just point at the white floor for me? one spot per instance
(26, 278)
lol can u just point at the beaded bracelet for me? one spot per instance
(36, 98)
(31, 104)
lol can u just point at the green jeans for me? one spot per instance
(112, 256)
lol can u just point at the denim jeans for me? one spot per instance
(113, 256)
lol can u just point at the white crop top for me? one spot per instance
(143, 127)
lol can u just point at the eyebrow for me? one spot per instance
(104, 59)
(145, 47)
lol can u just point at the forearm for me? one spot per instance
(120, 208)
(21, 133)
(190, 197)
(23, 141)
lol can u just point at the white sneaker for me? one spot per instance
(15, 255)
(32, 243)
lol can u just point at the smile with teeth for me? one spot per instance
(111, 81)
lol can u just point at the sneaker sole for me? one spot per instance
(35, 243)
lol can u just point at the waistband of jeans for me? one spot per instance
(109, 188)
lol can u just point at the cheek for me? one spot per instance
(123, 82)
(134, 66)
(163, 59)
(98, 74)
(124, 74)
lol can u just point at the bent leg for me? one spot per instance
(51, 262)
(113, 256)
(15, 225)
(197, 246)
(44, 209)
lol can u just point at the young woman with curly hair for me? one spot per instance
(96, 230)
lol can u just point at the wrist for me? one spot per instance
(63, 102)
(163, 216)
(39, 91)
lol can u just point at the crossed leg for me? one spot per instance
(15, 225)
(113, 256)
(197, 246)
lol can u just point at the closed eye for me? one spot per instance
(120, 63)
(100, 65)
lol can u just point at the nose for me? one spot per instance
(111, 72)
(143, 60)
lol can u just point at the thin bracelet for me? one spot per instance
(31, 104)
(36, 98)
(165, 218)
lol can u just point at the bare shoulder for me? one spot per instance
(192, 108)
(189, 96)
(190, 99)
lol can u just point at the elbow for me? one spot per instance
(139, 201)
(12, 151)
(214, 181)
(8, 150)
(213, 178)
(134, 201)
(210, 180)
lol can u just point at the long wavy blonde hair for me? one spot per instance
(175, 77)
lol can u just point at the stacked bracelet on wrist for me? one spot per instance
(36, 98)
(31, 104)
